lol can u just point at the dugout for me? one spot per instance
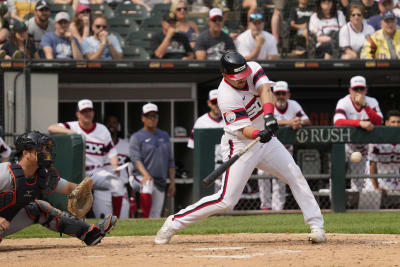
(50, 89)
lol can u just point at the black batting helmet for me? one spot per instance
(234, 66)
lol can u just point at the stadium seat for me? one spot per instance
(152, 24)
(200, 19)
(123, 25)
(160, 9)
(136, 12)
(135, 52)
(119, 37)
(142, 39)
(102, 9)
(55, 8)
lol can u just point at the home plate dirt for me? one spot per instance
(206, 250)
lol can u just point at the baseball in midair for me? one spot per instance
(356, 157)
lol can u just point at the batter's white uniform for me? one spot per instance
(276, 201)
(387, 158)
(119, 188)
(99, 145)
(241, 108)
(345, 109)
(5, 150)
(206, 121)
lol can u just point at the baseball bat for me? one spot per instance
(215, 174)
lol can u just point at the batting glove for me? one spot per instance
(271, 123)
(265, 135)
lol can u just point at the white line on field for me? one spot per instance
(219, 248)
(101, 256)
(248, 256)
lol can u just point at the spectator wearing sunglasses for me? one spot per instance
(384, 5)
(353, 35)
(80, 25)
(213, 43)
(41, 23)
(101, 45)
(255, 43)
(358, 110)
(188, 27)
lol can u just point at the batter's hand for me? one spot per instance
(270, 123)
(367, 125)
(4, 224)
(265, 135)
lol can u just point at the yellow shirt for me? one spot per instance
(376, 47)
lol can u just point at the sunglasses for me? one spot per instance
(358, 89)
(86, 11)
(101, 26)
(181, 9)
(217, 19)
(256, 16)
(356, 15)
(45, 9)
(214, 101)
(151, 116)
(280, 93)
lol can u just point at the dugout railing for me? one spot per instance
(320, 153)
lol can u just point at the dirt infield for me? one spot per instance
(206, 250)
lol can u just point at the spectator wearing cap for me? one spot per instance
(60, 44)
(255, 43)
(358, 110)
(80, 25)
(101, 45)
(99, 149)
(19, 45)
(20, 8)
(150, 152)
(384, 43)
(384, 5)
(289, 113)
(41, 23)
(171, 43)
(213, 43)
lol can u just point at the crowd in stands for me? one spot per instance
(199, 29)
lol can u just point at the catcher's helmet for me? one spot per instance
(234, 66)
(42, 143)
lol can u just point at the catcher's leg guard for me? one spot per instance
(98, 231)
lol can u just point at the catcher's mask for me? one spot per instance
(41, 143)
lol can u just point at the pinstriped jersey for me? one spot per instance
(242, 107)
(98, 142)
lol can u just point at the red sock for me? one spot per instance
(117, 204)
(145, 204)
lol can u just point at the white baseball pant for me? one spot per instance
(271, 157)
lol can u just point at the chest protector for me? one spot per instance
(25, 190)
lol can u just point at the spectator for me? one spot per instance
(101, 45)
(358, 110)
(371, 8)
(384, 43)
(384, 158)
(41, 23)
(61, 44)
(99, 145)
(19, 46)
(120, 197)
(150, 152)
(212, 43)
(4, 26)
(325, 24)
(384, 5)
(188, 27)
(352, 36)
(298, 18)
(19, 8)
(255, 43)
(80, 25)
(276, 19)
(170, 43)
(211, 119)
(5, 150)
(288, 113)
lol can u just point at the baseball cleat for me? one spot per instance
(317, 236)
(166, 232)
(99, 231)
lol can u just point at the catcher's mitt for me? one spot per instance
(81, 199)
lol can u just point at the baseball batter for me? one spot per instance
(99, 145)
(385, 158)
(357, 109)
(288, 113)
(246, 102)
(24, 182)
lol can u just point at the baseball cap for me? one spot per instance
(388, 15)
(215, 12)
(3, 9)
(358, 81)
(149, 107)
(41, 4)
(169, 17)
(213, 94)
(18, 26)
(85, 104)
(281, 86)
(62, 16)
(82, 7)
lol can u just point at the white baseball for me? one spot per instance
(356, 157)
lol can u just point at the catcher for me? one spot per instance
(22, 183)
